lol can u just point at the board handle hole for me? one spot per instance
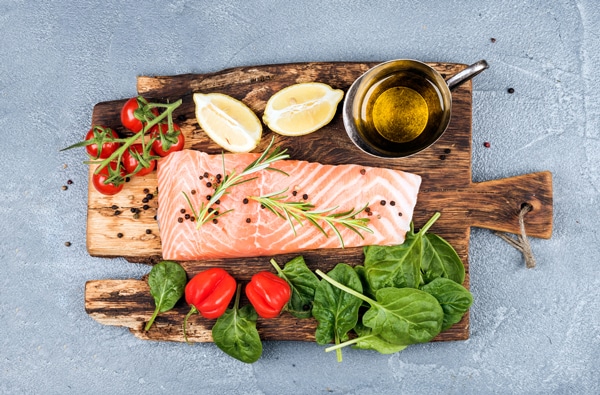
(526, 206)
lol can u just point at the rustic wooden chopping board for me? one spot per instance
(113, 230)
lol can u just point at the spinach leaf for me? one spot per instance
(394, 266)
(167, 281)
(362, 274)
(440, 260)
(400, 316)
(405, 316)
(367, 340)
(335, 310)
(303, 283)
(235, 332)
(454, 299)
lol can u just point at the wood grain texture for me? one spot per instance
(447, 187)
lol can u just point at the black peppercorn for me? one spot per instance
(119, 235)
(180, 220)
(305, 196)
(245, 201)
(146, 207)
(148, 231)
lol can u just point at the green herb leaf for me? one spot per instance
(337, 311)
(303, 283)
(440, 260)
(367, 340)
(399, 316)
(404, 316)
(394, 266)
(167, 281)
(454, 299)
(235, 332)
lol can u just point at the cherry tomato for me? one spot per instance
(102, 136)
(135, 114)
(173, 141)
(133, 159)
(105, 174)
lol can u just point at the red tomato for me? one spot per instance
(102, 137)
(113, 187)
(135, 114)
(173, 141)
(135, 163)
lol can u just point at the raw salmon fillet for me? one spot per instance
(250, 230)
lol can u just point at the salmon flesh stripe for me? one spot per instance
(249, 230)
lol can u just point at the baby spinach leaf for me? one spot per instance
(335, 310)
(362, 274)
(399, 316)
(235, 332)
(303, 283)
(454, 299)
(404, 316)
(394, 266)
(167, 281)
(440, 260)
(367, 340)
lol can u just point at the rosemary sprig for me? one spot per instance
(299, 210)
(263, 162)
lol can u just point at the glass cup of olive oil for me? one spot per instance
(400, 107)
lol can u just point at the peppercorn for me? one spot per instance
(215, 221)
(193, 191)
(218, 201)
(67, 244)
(182, 211)
(187, 216)
(294, 193)
(392, 203)
(493, 40)
(133, 210)
(205, 174)
(146, 190)
(305, 196)
(248, 220)
(363, 171)
(180, 220)
(201, 177)
(148, 231)
(219, 176)
(114, 207)
(209, 184)
(368, 209)
(64, 187)
(245, 201)
(149, 196)
(382, 202)
(447, 150)
(146, 207)
(145, 200)
(136, 216)
(511, 90)
(399, 214)
(117, 212)
(208, 197)
(442, 157)
(193, 219)
(69, 182)
(487, 144)
(119, 235)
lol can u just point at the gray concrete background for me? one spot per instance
(533, 331)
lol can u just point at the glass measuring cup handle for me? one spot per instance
(468, 73)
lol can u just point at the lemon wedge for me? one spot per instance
(302, 108)
(228, 121)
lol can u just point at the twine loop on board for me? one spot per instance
(521, 242)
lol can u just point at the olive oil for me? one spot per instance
(401, 109)
(400, 114)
